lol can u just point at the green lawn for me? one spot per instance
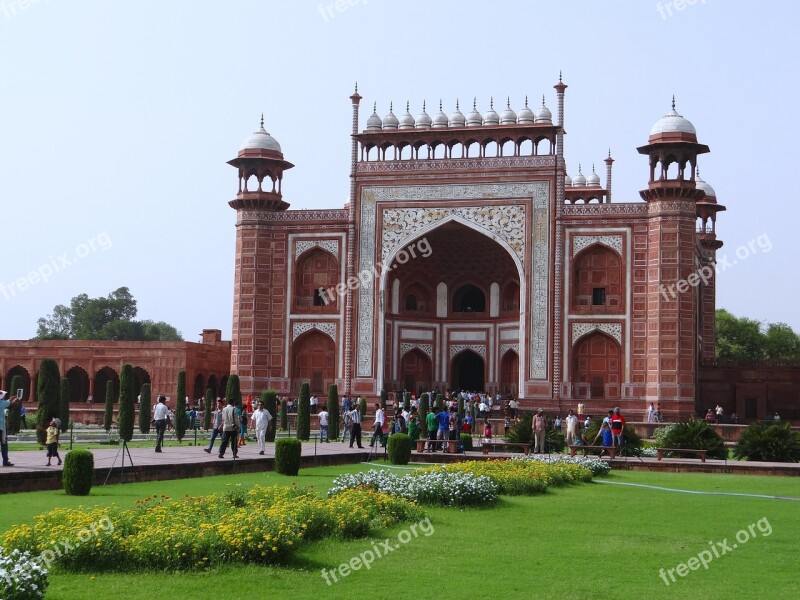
(584, 541)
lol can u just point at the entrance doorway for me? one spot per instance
(467, 372)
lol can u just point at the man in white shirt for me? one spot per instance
(323, 426)
(572, 428)
(216, 424)
(313, 402)
(260, 422)
(160, 414)
(230, 430)
(380, 417)
(355, 425)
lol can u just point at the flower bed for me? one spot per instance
(436, 487)
(21, 576)
(257, 525)
(596, 466)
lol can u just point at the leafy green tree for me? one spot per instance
(48, 393)
(144, 408)
(63, 404)
(270, 400)
(109, 318)
(304, 412)
(362, 407)
(384, 399)
(210, 405)
(333, 410)
(407, 400)
(14, 421)
(127, 400)
(108, 414)
(738, 338)
(180, 407)
(781, 342)
(439, 403)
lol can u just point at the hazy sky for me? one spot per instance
(117, 118)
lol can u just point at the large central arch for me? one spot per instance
(467, 372)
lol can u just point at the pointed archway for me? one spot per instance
(78, 384)
(468, 372)
(597, 363)
(314, 361)
(509, 373)
(415, 371)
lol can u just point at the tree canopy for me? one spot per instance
(110, 318)
(740, 338)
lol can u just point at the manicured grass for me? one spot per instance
(582, 541)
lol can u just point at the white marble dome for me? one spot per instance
(702, 185)
(490, 117)
(593, 179)
(567, 180)
(543, 114)
(474, 118)
(457, 119)
(407, 120)
(440, 119)
(672, 122)
(509, 117)
(390, 121)
(261, 140)
(526, 116)
(579, 179)
(374, 123)
(424, 120)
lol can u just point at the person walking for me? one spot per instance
(539, 428)
(260, 422)
(160, 414)
(216, 424)
(572, 428)
(313, 402)
(617, 428)
(347, 424)
(355, 425)
(51, 442)
(380, 419)
(324, 415)
(241, 414)
(230, 430)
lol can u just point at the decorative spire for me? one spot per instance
(579, 169)
(390, 107)
(673, 101)
(593, 168)
(440, 105)
(456, 103)
(609, 153)
(559, 77)
(423, 106)
(375, 107)
(408, 106)
(508, 101)
(356, 88)
(474, 102)
(262, 120)
(542, 99)
(526, 100)
(491, 102)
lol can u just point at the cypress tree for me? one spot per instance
(285, 414)
(384, 399)
(48, 393)
(210, 407)
(362, 407)
(304, 413)
(14, 418)
(407, 400)
(461, 408)
(180, 406)
(439, 403)
(270, 400)
(127, 400)
(233, 391)
(144, 409)
(108, 414)
(333, 410)
(63, 404)
(423, 412)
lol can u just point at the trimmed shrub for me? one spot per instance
(333, 409)
(144, 408)
(384, 399)
(233, 390)
(773, 442)
(466, 441)
(270, 399)
(695, 434)
(14, 420)
(78, 474)
(407, 401)
(399, 449)
(48, 393)
(108, 414)
(63, 404)
(285, 414)
(424, 409)
(362, 407)
(304, 412)
(287, 456)
(180, 407)
(439, 404)
(126, 403)
(520, 431)
(461, 408)
(210, 406)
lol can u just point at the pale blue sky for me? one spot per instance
(117, 118)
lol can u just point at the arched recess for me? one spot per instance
(26, 382)
(199, 388)
(314, 361)
(598, 284)
(509, 302)
(509, 373)
(469, 298)
(467, 372)
(596, 362)
(212, 384)
(416, 370)
(101, 378)
(140, 377)
(78, 384)
(317, 271)
(416, 299)
(223, 386)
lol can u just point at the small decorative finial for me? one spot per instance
(375, 107)
(526, 100)
(408, 106)
(423, 106)
(474, 102)
(609, 153)
(491, 102)
(262, 120)
(592, 167)
(456, 103)
(440, 105)
(698, 171)
(673, 101)
(508, 101)
(579, 169)
(390, 106)
(559, 77)
(542, 99)
(356, 87)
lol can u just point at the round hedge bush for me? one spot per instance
(399, 448)
(78, 474)
(466, 441)
(287, 456)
